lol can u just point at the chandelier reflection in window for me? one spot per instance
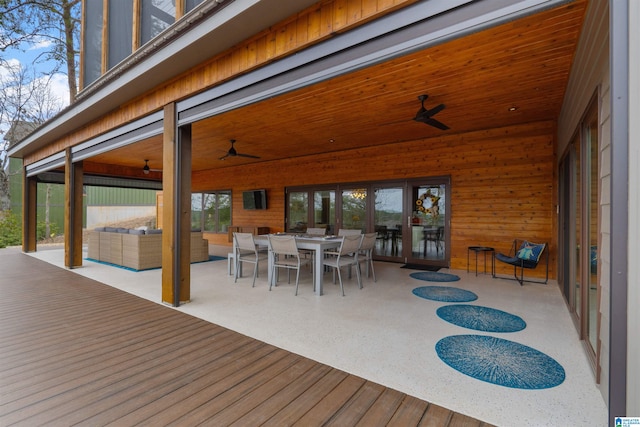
(359, 193)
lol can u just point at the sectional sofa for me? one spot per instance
(137, 249)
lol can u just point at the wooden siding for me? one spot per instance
(78, 352)
(502, 181)
(310, 26)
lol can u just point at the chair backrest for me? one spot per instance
(350, 244)
(244, 241)
(368, 241)
(317, 231)
(529, 251)
(348, 232)
(283, 245)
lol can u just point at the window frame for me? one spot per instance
(218, 227)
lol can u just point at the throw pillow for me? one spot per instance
(530, 251)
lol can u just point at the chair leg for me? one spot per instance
(273, 276)
(237, 269)
(359, 275)
(340, 278)
(255, 274)
(297, 279)
(515, 274)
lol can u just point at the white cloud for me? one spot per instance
(60, 88)
(38, 44)
(6, 66)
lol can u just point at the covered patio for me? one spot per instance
(324, 95)
(386, 334)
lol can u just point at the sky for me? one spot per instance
(26, 56)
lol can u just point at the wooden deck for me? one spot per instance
(77, 352)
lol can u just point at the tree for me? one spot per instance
(51, 23)
(26, 101)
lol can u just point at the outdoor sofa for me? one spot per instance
(137, 249)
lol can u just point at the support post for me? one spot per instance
(73, 180)
(176, 210)
(29, 212)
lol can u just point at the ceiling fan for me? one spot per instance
(233, 153)
(426, 116)
(146, 169)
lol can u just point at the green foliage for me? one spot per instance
(11, 230)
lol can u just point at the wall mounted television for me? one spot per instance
(255, 199)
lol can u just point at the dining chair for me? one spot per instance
(366, 253)
(434, 235)
(312, 232)
(285, 253)
(346, 256)
(246, 250)
(316, 231)
(349, 232)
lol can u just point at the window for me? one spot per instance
(190, 4)
(120, 31)
(92, 48)
(156, 16)
(211, 211)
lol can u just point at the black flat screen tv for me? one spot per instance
(256, 199)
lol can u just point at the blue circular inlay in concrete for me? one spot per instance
(499, 361)
(480, 318)
(434, 276)
(445, 294)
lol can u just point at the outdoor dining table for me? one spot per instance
(316, 244)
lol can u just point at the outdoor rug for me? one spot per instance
(211, 258)
(501, 362)
(431, 276)
(421, 267)
(445, 294)
(480, 318)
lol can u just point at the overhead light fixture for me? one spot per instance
(146, 169)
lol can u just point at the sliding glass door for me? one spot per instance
(388, 214)
(428, 222)
(410, 218)
(579, 233)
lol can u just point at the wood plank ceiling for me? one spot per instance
(510, 74)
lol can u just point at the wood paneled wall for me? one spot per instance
(313, 25)
(503, 184)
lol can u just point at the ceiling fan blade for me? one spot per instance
(435, 123)
(247, 155)
(435, 110)
(424, 113)
(420, 113)
(233, 153)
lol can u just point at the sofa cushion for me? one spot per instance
(136, 232)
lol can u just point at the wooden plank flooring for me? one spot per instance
(77, 352)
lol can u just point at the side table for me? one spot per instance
(484, 250)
